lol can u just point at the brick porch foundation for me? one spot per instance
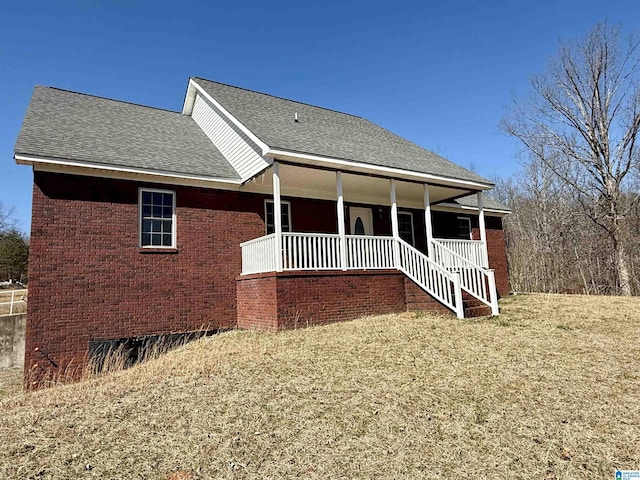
(280, 301)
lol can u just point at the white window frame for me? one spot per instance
(468, 219)
(174, 229)
(413, 231)
(282, 202)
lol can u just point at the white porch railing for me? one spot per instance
(472, 250)
(474, 279)
(310, 251)
(318, 251)
(369, 252)
(259, 255)
(443, 276)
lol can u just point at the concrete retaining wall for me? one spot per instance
(12, 330)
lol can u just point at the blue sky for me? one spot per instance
(441, 74)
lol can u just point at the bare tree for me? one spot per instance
(7, 221)
(582, 122)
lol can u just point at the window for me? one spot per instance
(285, 209)
(464, 227)
(405, 227)
(157, 218)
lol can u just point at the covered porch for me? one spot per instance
(444, 268)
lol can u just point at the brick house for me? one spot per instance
(243, 210)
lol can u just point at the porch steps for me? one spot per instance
(474, 307)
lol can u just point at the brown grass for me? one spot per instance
(548, 390)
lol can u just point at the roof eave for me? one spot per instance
(72, 164)
(446, 206)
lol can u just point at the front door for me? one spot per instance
(361, 221)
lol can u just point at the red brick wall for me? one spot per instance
(321, 298)
(257, 301)
(89, 280)
(417, 300)
(303, 299)
(294, 299)
(497, 257)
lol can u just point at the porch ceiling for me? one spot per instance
(296, 181)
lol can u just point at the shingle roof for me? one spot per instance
(487, 202)
(74, 126)
(329, 133)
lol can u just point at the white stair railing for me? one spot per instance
(472, 250)
(431, 277)
(477, 281)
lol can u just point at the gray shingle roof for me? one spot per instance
(74, 126)
(328, 133)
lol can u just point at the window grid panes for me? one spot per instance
(464, 227)
(284, 210)
(405, 227)
(156, 227)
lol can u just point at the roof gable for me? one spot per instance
(323, 132)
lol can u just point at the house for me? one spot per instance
(243, 210)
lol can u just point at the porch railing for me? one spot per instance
(474, 279)
(369, 252)
(259, 255)
(472, 250)
(319, 251)
(310, 251)
(443, 276)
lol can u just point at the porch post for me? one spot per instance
(483, 230)
(427, 221)
(395, 231)
(341, 226)
(277, 215)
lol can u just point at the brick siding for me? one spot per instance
(497, 256)
(298, 299)
(90, 281)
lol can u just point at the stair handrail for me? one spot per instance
(468, 281)
(452, 299)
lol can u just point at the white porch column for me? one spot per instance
(277, 215)
(483, 229)
(427, 221)
(395, 231)
(341, 226)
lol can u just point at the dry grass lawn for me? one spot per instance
(548, 390)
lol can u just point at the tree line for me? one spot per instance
(14, 249)
(576, 215)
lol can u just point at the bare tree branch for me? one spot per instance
(582, 122)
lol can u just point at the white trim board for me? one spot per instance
(42, 163)
(191, 98)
